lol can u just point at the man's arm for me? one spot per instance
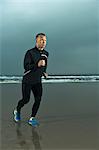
(45, 67)
(28, 63)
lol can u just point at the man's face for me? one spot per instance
(41, 42)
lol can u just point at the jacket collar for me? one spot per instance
(38, 49)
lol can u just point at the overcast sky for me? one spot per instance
(71, 27)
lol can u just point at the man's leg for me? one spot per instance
(26, 91)
(37, 91)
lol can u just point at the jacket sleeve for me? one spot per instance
(28, 62)
(46, 61)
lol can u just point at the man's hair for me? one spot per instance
(40, 34)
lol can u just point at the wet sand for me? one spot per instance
(68, 115)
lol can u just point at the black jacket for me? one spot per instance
(33, 73)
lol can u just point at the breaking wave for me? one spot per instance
(54, 78)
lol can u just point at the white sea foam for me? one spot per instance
(54, 78)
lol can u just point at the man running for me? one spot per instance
(35, 64)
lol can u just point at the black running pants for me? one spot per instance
(26, 91)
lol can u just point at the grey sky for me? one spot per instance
(71, 27)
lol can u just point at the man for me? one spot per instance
(35, 64)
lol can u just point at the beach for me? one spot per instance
(68, 115)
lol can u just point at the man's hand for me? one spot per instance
(45, 74)
(41, 63)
